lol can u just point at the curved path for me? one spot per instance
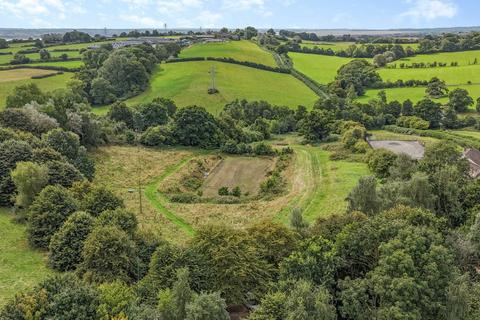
(157, 199)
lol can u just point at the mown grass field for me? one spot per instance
(239, 50)
(326, 183)
(187, 84)
(22, 74)
(46, 84)
(5, 59)
(451, 75)
(244, 172)
(320, 68)
(337, 46)
(416, 94)
(66, 64)
(20, 266)
(463, 58)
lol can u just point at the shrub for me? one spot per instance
(236, 192)
(379, 162)
(223, 191)
(263, 149)
(413, 122)
(184, 198)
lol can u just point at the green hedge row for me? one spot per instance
(467, 142)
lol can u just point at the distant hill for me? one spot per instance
(14, 33)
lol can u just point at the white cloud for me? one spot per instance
(430, 9)
(171, 7)
(142, 21)
(243, 4)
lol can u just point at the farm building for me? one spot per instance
(473, 157)
(414, 149)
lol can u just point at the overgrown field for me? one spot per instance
(20, 266)
(239, 50)
(320, 68)
(187, 84)
(46, 84)
(123, 168)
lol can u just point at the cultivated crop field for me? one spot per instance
(320, 68)
(21, 267)
(46, 84)
(187, 84)
(239, 50)
(244, 172)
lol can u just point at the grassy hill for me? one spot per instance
(463, 58)
(239, 50)
(320, 68)
(187, 84)
(451, 75)
(20, 266)
(416, 94)
(46, 84)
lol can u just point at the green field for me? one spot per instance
(320, 68)
(327, 183)
(36, 56)
(66, 64)
(187, 84)
(463, 58)
(451, 75)
(337, 46)
(239, 50)
(20, 266)
(416, 93)
(46, 84)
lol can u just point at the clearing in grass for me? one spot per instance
(187, 84)
(244, 172)
(239, 50)
(45, 84)
(20, 266)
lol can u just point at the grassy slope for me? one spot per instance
(22, 74)
(318, 67)
(416, 94)
(463, 57)
(20, 266)
(67, 64)
(239, 50)
(451, 75)
(327, 183)
(35, 56)
(336, 46)
(46, 84)
(187, 83)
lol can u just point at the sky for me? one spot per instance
(302, 14)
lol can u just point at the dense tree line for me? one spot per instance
(110, 74)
